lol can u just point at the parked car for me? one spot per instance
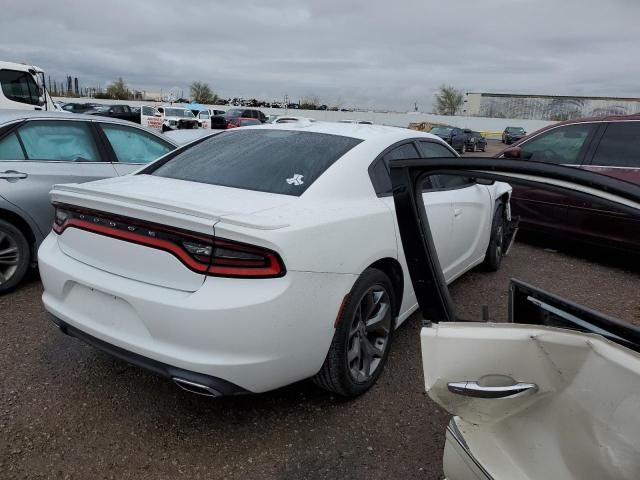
(78, 107)
(513, 134)
(236, 122)
(222, 121)
(474, 141)
(288, 119)
(177, 118)
(38, 149)
(245, 113)
(453, 136)
(554, 392)
(260, 256)
(122, 112)
(609, 145)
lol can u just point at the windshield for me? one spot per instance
(515, 129)
(19, 87)
(441, 130)
(178, 112)
(275, 161)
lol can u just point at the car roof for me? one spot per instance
(8, 115)
(354, 130)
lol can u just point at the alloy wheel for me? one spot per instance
(369, 333)
(9, 257)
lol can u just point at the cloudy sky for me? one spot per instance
(367, 53)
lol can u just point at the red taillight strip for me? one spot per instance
(136, 238)
(271, 267)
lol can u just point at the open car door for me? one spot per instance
(554, 393)
(150, 118)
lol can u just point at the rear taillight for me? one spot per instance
(201, 253)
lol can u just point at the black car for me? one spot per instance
(474, 141)
(513, 134)
(454, 136)
(78, 107)
(123, 112)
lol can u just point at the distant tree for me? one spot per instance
(118, 90)
(310, 103)
(448, 100)
(202, 93)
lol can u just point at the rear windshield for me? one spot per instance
(275, 161)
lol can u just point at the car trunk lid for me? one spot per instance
(137, 226)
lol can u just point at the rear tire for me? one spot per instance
(495, 250)
(15, 256)
(362, 339)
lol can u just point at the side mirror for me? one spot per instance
(513, 153)
(157, 114)
(41, 101)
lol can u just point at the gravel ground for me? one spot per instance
(69, 411)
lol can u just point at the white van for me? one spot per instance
(22, 87)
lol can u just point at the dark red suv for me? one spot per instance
(608, 145)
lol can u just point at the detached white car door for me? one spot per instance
(537, 401)
(555, 394)
(150, 118)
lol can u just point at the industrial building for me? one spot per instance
(545, 107)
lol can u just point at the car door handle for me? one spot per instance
(12, 175)
(475, 390)
(457, 212)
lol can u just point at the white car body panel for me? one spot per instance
(326, 238)
(581, 423)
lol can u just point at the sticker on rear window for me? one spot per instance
(296, 179)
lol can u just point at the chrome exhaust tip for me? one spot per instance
(197, 388)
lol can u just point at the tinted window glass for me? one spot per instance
(620, 146)
(435, 150)
(134, 146)
(62, 141)
(19, 87)
(10, 148)
(403, 151)
(146, 110)
(273, 161)
(561, 145)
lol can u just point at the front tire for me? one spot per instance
(14, 256)
(362, 339)
(463, 148)
(495, 250)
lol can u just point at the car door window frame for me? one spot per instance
(375, 172)
(110, 153)
(16, 126)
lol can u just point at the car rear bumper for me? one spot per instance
(200, 383)
(257, 334)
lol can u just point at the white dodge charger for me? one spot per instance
(258, 257)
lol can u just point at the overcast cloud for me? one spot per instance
(367, 53)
